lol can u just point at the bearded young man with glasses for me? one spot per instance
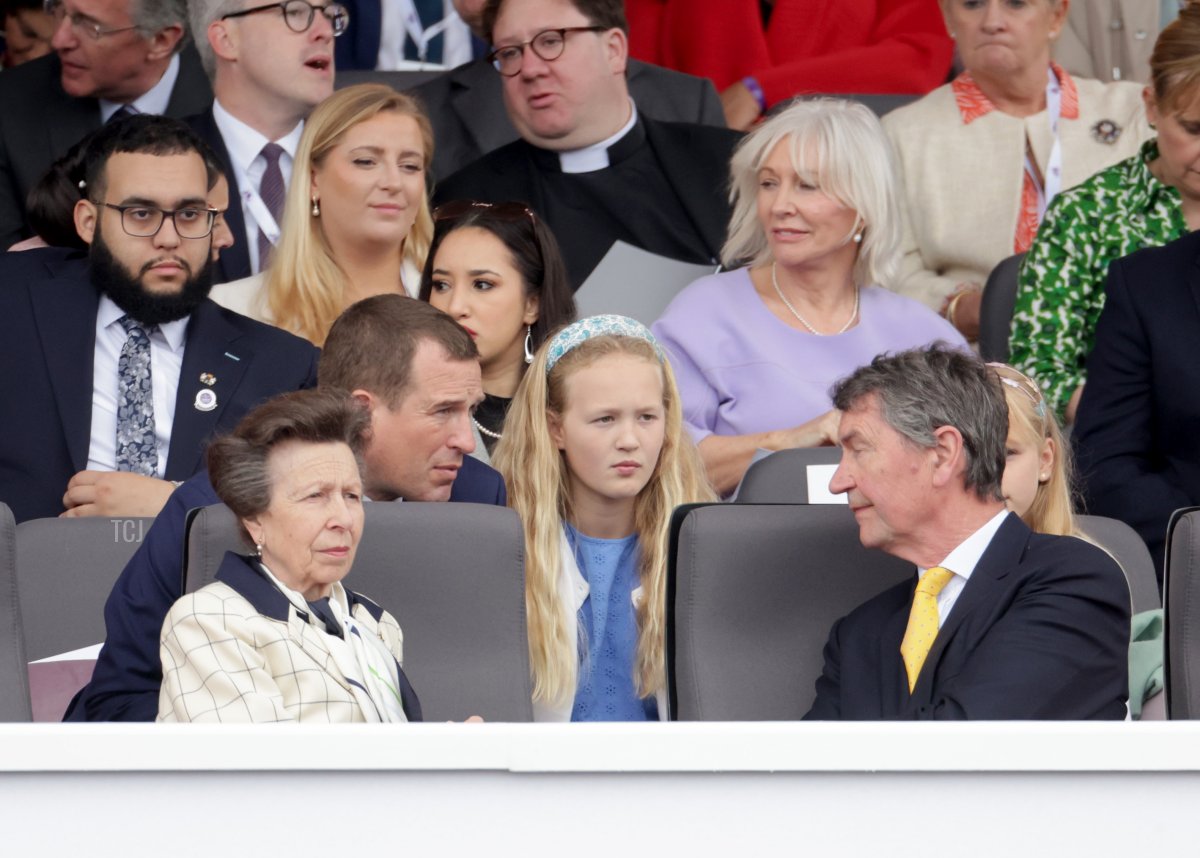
(589, 163)
(119, 366)
(111, 58)
(270, 65)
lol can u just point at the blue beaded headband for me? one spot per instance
(1023, 384)
(580, 332)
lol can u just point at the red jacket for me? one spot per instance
(810, 46)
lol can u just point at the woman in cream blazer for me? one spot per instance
(962, 149)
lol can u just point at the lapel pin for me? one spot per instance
(1106, 131)
(208, 378)
(206, 400)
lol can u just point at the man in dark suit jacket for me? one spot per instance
(266, 79)
(66, 408)
(49, 104)
(999, 623)
(466, 108)
(588, 161)
(358, 49)
(1135, 434)
(417, 372)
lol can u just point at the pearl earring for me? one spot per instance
(258, 549)
(316, 208)
(858, 237)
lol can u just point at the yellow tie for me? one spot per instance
(922, 622)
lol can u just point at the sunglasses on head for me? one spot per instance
(505, 211)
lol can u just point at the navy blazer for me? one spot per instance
(48, 305)
(1040, 631)
(234, 261)
(357, 49)
(124, 685)
(1135, 434)
(39, 122)
(466, 107)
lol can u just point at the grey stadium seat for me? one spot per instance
(453, 575)
(753, 590)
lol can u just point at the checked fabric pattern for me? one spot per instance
(223, 661)
(137, 448)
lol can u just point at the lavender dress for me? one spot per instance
(741, 370)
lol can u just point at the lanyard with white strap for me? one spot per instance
(420, 36)
(1052, 180)
(262, 215)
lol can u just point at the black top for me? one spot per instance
(663, 191)
(490, 415)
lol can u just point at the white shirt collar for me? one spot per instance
(174, 333)
(244, 143)
(965, 557)
(154, 100)
(595, 157)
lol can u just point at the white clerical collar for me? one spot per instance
(154, 100)
(595, 157)
(244, 143)
(963, 559)
(173, 332)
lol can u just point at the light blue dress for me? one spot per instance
(608, 631)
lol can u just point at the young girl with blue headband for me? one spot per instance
(595, 459)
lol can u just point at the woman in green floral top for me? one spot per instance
(1144, 201)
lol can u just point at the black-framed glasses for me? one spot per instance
(510, 211)
(299, 15)
(548, 45)
(81, 24)
(142, 221)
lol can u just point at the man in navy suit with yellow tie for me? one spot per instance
(999, 622)
(117, 365)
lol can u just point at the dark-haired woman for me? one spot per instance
(497, 270)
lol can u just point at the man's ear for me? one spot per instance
(616, 46)
(949, 455)
(368, 400)
(163, 43)
(223, 40)
(85, 220)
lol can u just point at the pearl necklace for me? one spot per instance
(802, 320)
(484, 430)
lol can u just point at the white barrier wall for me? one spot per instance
(695, 789)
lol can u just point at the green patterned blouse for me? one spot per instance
(1060, 288)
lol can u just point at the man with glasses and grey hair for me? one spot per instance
(589, 162)
(112, 58)
(118, 366)
(270, 65)
(998, 622)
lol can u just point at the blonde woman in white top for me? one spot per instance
(356, 222)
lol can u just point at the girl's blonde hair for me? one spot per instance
(535, 473)
(304, 282)
(1053, 507)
